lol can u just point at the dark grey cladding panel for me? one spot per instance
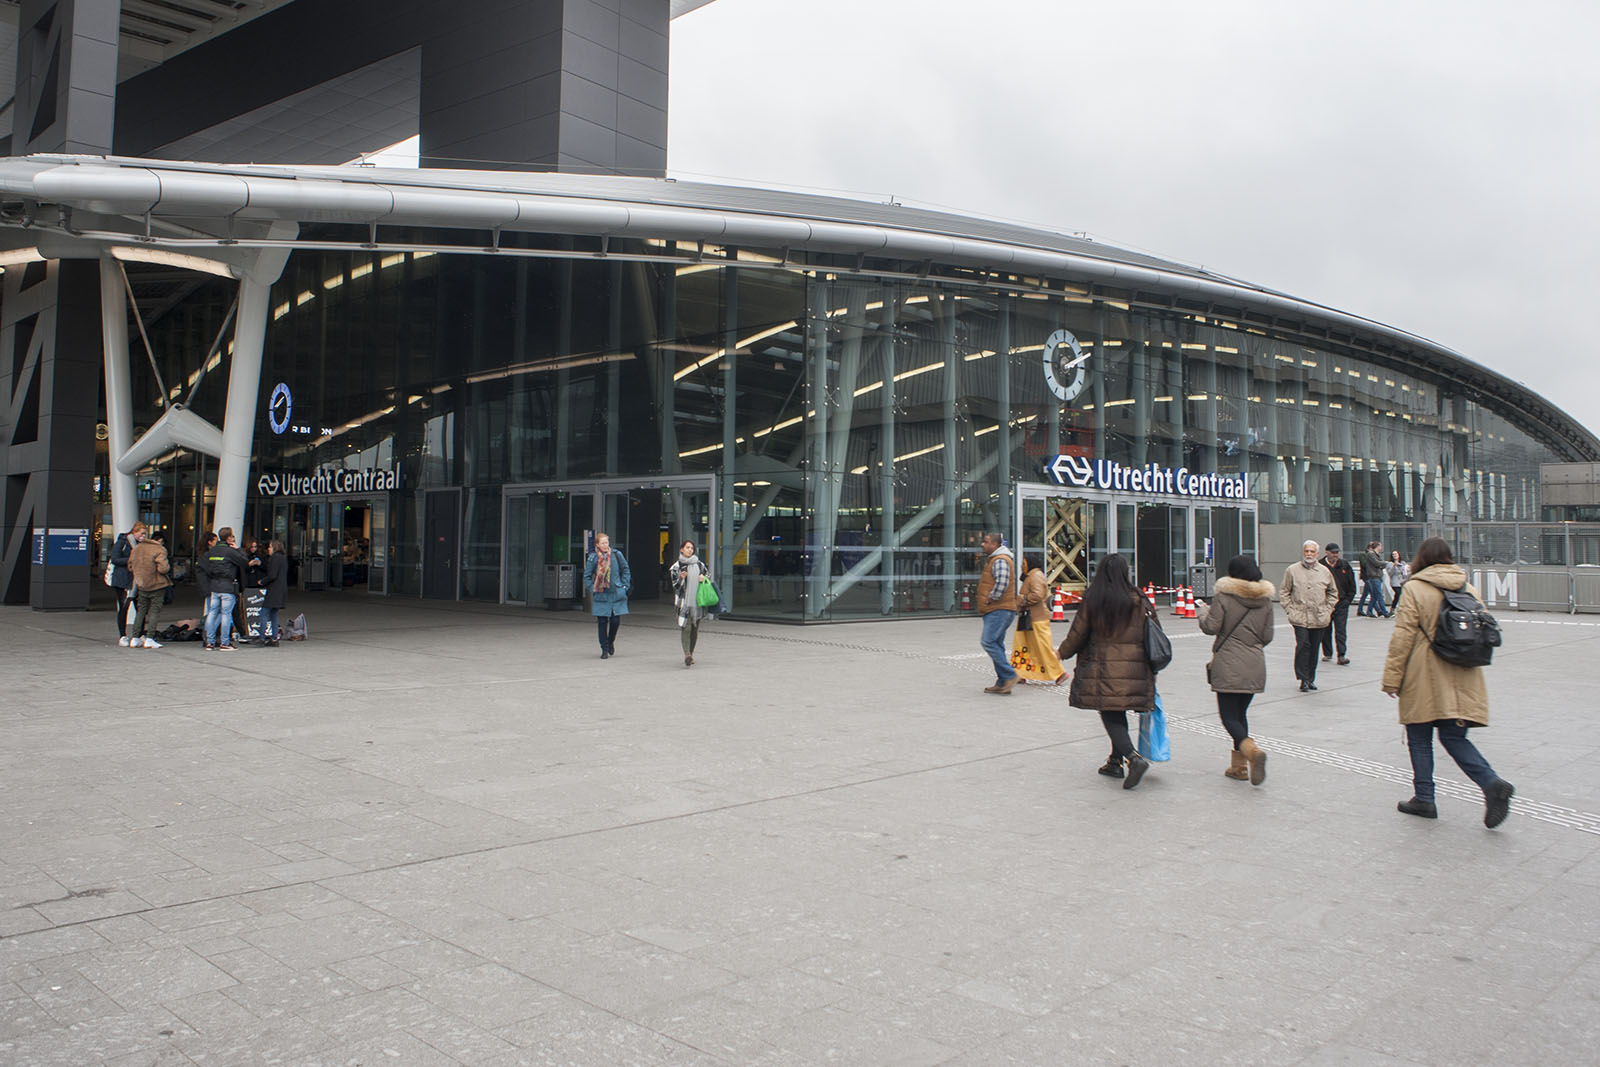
(588, 141)
(640, 157)
(588, 60)
(451, 148)
(644, 44)
(594, 21)
(490, 111)
(454, 147)
(641, 122)
(585, 99)
(468, 38)
(641, 82)
(459, 73)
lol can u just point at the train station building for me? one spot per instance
(441, 382)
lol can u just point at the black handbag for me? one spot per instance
(1157, 646)
(1024, 621)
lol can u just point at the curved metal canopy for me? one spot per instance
(214, 211)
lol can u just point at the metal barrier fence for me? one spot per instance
(1521, 566)
(1574, 590)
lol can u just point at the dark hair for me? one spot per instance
(1110, 600)
(1032, 559)
(1244, 568)
(275, 547)
(1433, 550)
(687, 541)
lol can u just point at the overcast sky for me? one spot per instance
(1429, 164)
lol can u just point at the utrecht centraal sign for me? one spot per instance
(337, 481)
(1150, 478)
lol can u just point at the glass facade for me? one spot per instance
(856, 425)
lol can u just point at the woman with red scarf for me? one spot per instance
(609, 581)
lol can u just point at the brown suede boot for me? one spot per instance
(1237, 767)
(1257, 760)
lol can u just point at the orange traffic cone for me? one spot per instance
(1177, 601)
(927, 605)
(1150, 593)
(966, 598)
(1058, 607)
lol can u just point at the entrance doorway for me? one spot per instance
(441, 543)
(550, 528)
(335, 543)
(1161, 538)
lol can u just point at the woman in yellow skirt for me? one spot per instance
(1034, 653)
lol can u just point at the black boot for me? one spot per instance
(1497, 802)
(1425, 809)
(1137, 765)
(1112, 768)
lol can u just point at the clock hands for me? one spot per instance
(1074, 362)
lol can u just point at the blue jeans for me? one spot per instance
(269, 623)
(996, 628)
(1373, 602)
(219, 617)
(1453, 736)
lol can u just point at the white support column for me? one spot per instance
(119, 392)
(244, 382)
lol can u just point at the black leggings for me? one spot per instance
(1231, 707)
(1116, 724)
(607, 625)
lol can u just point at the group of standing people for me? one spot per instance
(142, 571)
(1108, 638)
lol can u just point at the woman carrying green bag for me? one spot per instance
(695, 596)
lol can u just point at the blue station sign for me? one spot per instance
(1151, 478)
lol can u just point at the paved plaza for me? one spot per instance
(438, 835)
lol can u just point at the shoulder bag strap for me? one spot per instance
(1231, 631)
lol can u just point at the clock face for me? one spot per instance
(1066, 365)
(279, 408)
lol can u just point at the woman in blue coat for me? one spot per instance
(609, 581)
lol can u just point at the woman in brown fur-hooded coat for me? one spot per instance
(1240, 617)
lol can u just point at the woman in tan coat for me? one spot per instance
(1033, 651)
(1240, 616)
(1113, 677)
(1436, 694)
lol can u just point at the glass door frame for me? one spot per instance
(598, 489)
(1042, 491)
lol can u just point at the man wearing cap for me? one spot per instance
(1344, 580)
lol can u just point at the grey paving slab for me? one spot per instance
(450, 834)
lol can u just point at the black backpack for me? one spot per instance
(1464, 634)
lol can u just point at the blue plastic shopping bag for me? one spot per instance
(1153, 742)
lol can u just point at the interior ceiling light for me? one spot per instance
(165, 258)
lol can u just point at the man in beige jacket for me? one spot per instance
(1308, 594)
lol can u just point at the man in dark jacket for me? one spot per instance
(1372, 599)
(224, 567)
(1344, 579)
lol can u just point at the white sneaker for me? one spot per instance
(122, 641)
(151, 642)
